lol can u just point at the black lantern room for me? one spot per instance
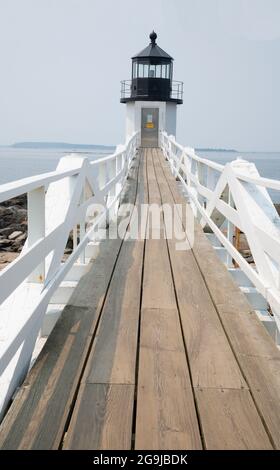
(152, 77)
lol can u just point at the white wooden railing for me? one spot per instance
(226, 197)
(80, 194)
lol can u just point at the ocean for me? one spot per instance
(16, 163)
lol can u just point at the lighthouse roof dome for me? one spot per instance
(153, 50)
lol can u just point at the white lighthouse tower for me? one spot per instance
(151, 96)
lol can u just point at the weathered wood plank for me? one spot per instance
(263, 376)
(160, 329)
(211, 359)
(113, 356)
(162, 422)
(114, 353)
(106, 422)
(37, 416)
(230, 421)
(158, 290)
(166, 417)
(257, 354)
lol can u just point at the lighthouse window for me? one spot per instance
(146, 70)
(165, 71)
(152, 72)
(134, 70)
(168, 71)
(158, 71)
(140, 70)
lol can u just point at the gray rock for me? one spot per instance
(5, 232)
(12, 215)
(4, 243)
(18, 243)
(14, 235)
(13, 227)
(22, 238)
(16, 201)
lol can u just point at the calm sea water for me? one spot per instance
(19, 163)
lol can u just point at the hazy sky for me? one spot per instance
(62, 62)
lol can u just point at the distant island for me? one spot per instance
(60, 145)
(216, 150)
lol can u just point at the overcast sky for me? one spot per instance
(62, 62)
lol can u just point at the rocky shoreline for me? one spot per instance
(13, 228)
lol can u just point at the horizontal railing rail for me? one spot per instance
(176, 90)
(231, 197)
(77, 198)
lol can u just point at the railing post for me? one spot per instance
(82, 231)
(171, 155)
(112, 170)
(211, 180)
(75, 237)
(36, 228)
(200, 178)
(230, 231)
(119, 167)
(102, 180)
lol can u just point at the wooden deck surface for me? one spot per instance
(157, 349)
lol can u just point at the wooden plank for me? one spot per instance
(162, 422)
(158, 290)
(39, 413)
(106, 422)
(248, 336)
(113, 356)
(263, 376)
(211, 359)
(166, 417)
(256, 352)
(160, 329)
(230, 421)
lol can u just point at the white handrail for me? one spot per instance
(24, 185)
(79, 193)
(225, 197)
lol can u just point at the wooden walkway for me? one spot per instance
(157, 349)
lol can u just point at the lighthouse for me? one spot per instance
(151, 96)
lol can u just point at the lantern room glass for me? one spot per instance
(144, 69)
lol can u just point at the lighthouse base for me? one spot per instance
(149, 118)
